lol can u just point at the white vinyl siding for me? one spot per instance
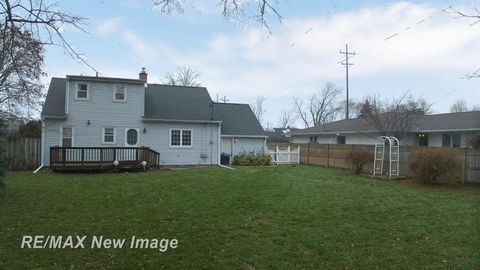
(181, 138)
(108, 135)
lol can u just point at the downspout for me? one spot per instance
(42, 143)
(218, 146)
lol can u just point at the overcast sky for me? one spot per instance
(428, 57)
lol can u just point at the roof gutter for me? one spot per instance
(332, 132)
(154, 120)
(54, 117)
(244, 136)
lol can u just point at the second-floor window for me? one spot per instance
(119, 93)
(82, 91)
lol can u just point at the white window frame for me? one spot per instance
(114, 135)
(138, 137)
(76, 91)
(115, 91)
(181, 138)
(61, 135)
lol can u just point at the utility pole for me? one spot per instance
(346, 64)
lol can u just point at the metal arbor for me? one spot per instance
(393, 156)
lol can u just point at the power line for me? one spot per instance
(328, 13)
(347, 64)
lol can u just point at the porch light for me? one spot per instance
(88, 122)
(144, 130)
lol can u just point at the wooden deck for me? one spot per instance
(102, 158)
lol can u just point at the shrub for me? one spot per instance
(252, 159)
(360, 157)
(435, 165)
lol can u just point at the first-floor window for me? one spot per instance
(451, 140)
(186, 137)
(456, 140)
(446, 140)
(67, 136)
(340, 139)
(180, 137)
(108, 135)
(313, 139)
(132, 137)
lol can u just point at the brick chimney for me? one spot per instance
(143, 75)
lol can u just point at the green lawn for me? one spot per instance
(269, 217)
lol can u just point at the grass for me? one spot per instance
(268, 217)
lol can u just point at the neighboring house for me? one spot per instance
(182, 123)
(279, 135)
(449, 129)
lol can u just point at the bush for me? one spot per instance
(252, 159)
(360, 157)
(435, 165)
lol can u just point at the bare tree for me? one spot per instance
(43, 21)
(183, 76)
(473, 16)
(459, 106)
(21, 62)
(25, 28)
(475, 108)
(239, 10)
(394, 117)
(258, 108)
(319, 108)
(286, 119)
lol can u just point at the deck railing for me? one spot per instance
(102, 156)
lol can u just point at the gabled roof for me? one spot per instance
(433, 122)
(450, 121)
(177, 102)
(55, 101)
(238, 119)
(172, 103)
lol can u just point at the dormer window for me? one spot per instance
(119, 93)
(82, 91)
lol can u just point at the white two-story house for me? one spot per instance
(183, 124)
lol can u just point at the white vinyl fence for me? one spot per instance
(285, 156)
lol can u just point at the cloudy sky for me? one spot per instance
(428, 57)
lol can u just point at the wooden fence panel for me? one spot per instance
(22, 154)
(472, 166)
(338, 156)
